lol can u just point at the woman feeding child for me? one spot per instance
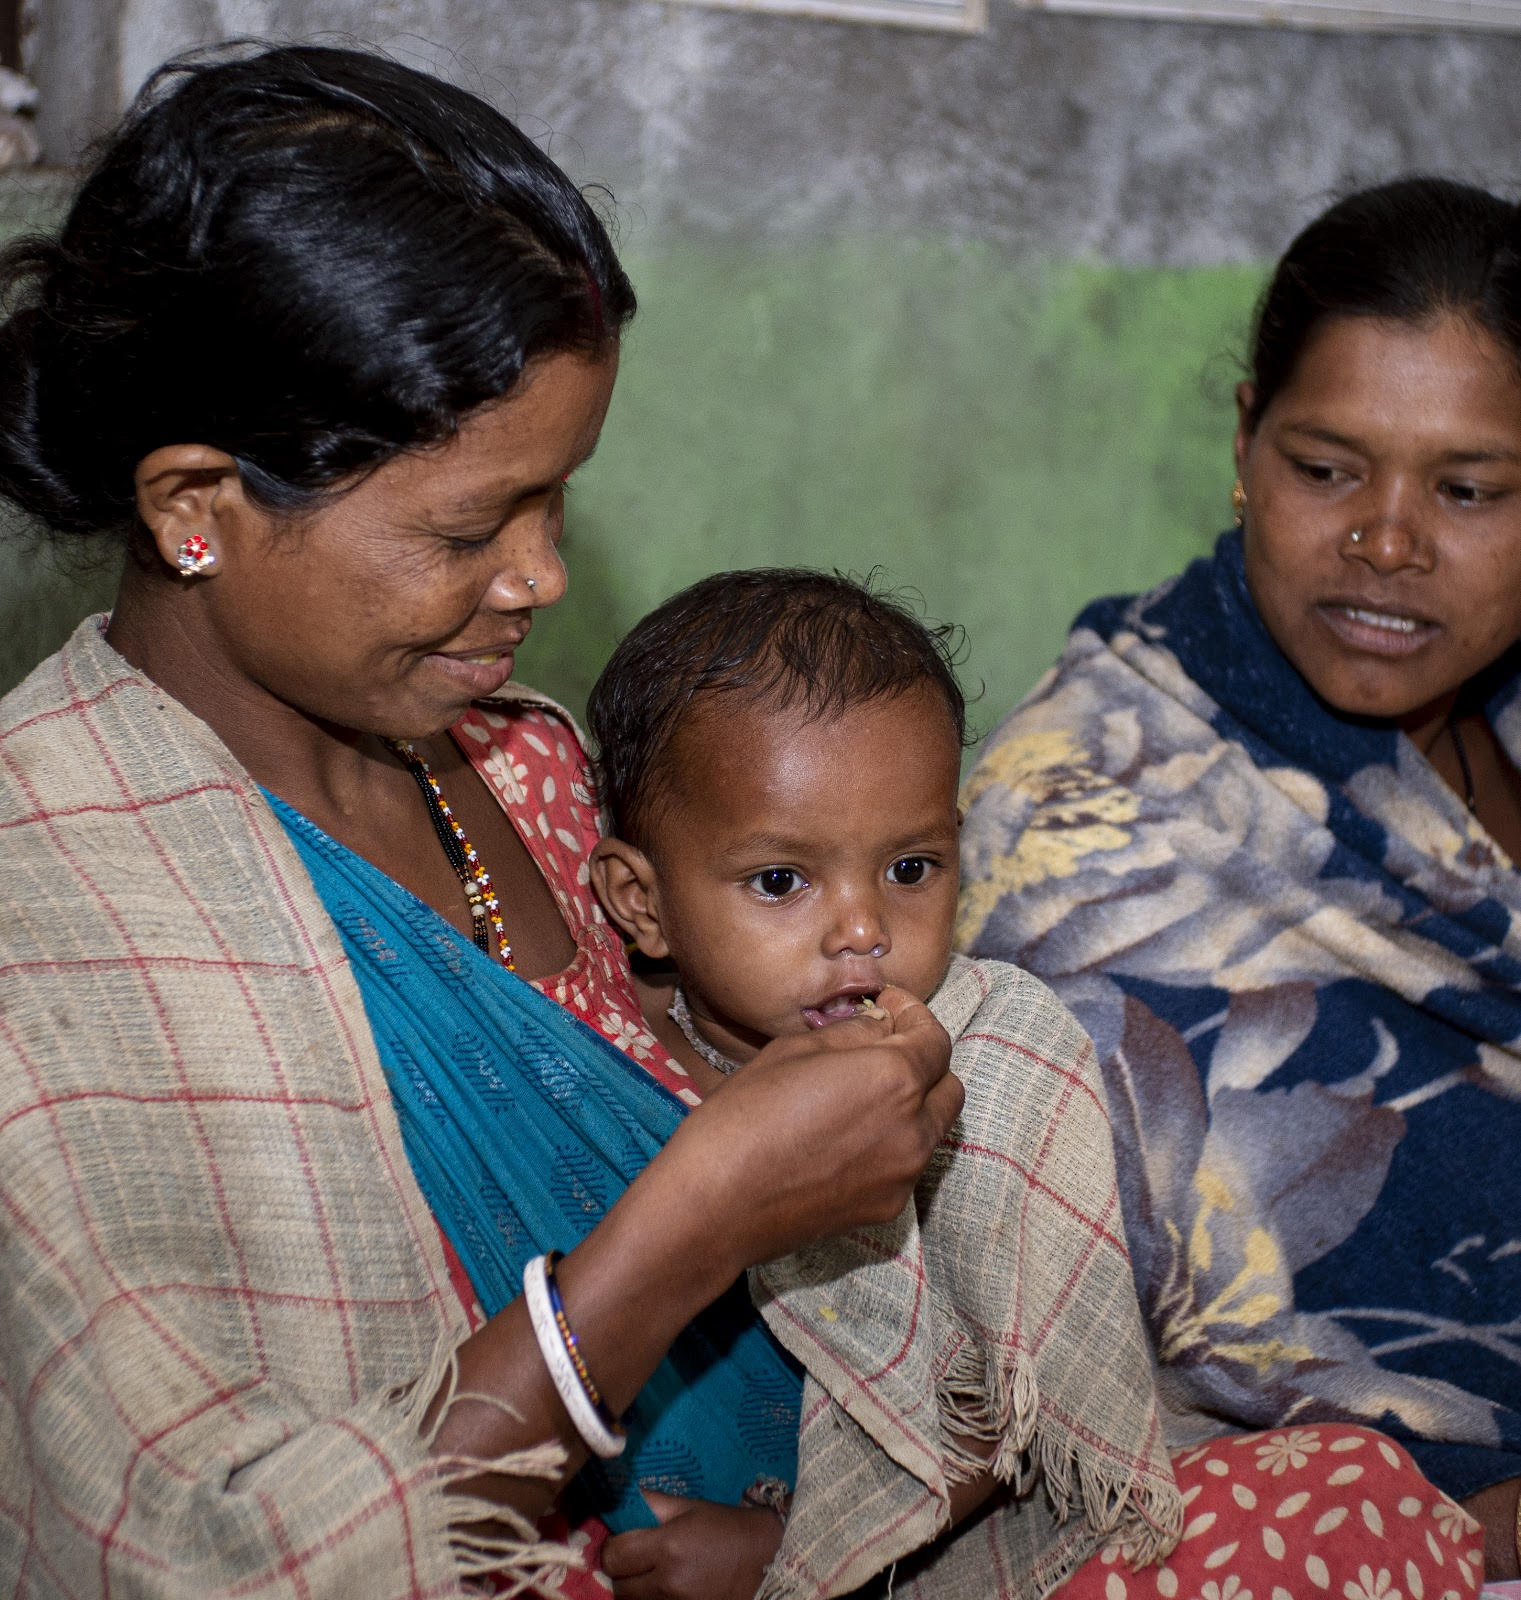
(779, 755)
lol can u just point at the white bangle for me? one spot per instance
(598, 1437)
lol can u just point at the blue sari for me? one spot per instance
(523, 1126)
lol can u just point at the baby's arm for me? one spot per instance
(700, 1551)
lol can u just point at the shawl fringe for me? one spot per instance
(984, 1400)
(495, 1547)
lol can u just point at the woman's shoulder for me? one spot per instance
(522, 742)
(87, 734)
(1119, 697)
(518, 714)
(47, 711)
(520, 701)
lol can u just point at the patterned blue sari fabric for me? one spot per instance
(1299, 958)
(523, 1126)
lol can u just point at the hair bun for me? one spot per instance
(31, 448)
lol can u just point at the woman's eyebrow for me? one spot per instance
(502, 495)
(1483, 454)
(544, 486)
(1480, 453)
(1310, 430)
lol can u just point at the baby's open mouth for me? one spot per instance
(852, 1003)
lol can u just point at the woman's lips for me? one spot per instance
(480, 674)
(1377, 630)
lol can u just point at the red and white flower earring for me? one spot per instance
(195, 557)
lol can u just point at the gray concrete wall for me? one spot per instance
(1118, 140)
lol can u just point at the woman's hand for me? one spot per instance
(700, 1551)
(819, 1133)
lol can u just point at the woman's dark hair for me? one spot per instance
(309, 258)
(1408, 251)
(781, 636)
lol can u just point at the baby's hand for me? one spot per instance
(700, 1551)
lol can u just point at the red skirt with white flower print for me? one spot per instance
(1299, 1513)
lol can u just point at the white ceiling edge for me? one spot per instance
(950, 16)
(1383, 16)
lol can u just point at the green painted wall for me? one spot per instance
(1007, 439)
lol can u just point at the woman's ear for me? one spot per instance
(626, 885)
(1246, 400)
(186, 494)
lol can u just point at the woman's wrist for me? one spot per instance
(655, 1261)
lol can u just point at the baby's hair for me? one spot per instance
(785, 636)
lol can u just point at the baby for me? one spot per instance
(779, 754)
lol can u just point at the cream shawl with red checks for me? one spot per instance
(222, 1297)
(996, 1320)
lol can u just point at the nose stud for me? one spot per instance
(1356, 536)
(877, 950)
(533, 583)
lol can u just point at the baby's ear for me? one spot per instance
(625, 884)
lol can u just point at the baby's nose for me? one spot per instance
(860, 930)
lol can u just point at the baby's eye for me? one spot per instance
(909, 869)
(776, 883)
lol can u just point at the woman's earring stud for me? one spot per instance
(195, 556)
(1238, 502)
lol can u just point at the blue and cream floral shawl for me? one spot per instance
(1300, 960)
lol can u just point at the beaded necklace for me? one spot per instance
(468, 868)
(681, 1014)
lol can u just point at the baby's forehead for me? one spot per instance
(918, 714)
(728, 745)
